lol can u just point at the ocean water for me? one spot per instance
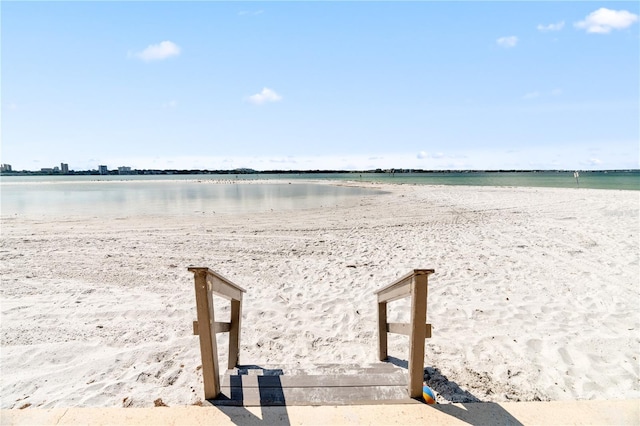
(626, 180)
(109, 196)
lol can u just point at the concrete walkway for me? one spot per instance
(623, 412)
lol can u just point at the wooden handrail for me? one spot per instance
(414, 284)
(208, 283)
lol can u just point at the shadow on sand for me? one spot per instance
(231, 401)
(474, 411)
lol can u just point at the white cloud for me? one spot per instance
(556, 92)
(170, 104)
(266, 95)
(507, 42)
(160, 51)
(551, 27)
(12, 106)
(422, 154)
(594, 162)
(603, 20)
(531, 95)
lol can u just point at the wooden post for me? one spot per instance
(413, 284)
(418, 334)
(234, 333)
(207, 284)
(208, 344)
(382, 330)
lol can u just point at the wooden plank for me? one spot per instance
(318, 370)
(398, 291)
(404, 328)
(399, 328)
(208, 345)
(406, 277)
(223, 288)
(310, 396)
(222, 327)
(329, 381)
(226, 280)
(214, 342)
(382, 331)
(195, 269)
(417, 335)
(399, 281)
(234, 332)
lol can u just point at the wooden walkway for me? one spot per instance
(319, 385)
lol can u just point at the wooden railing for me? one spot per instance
(415, 285)
(208, 283)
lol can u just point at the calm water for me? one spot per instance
(74, 196)
(206, 194)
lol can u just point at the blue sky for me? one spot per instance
(321, 85)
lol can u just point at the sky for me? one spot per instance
(320, 85)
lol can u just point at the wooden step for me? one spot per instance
(315, 385)
(306, 381)
(273, 370)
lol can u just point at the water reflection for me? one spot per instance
(171, 198)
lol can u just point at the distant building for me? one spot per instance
(103, 170)
(124, 170)
(5, 168)
(64, 168)
(50, 170)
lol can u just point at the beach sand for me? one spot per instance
(535, 295)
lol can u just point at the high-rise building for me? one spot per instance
(103, 170)
(64, 168)
(124, 170)
(5, 168)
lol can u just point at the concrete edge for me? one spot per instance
(609, 412)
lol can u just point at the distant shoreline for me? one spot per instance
(295, 172)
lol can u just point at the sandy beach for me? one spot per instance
(535, 294)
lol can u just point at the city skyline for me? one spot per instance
(321, 85)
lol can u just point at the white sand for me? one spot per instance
(536, 295)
